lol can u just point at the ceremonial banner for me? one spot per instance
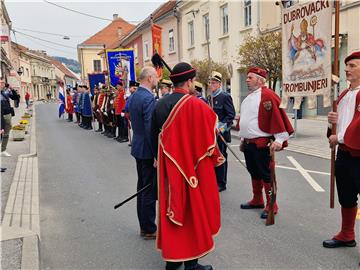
(306, 50)
(157, 45)
(156, 39)
(95, 79)
(121, 66)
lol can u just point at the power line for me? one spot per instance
(82, 13)
(56, 49)
(58, 44)
(47, 33)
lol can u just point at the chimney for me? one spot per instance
(115, 16)
(120, 32)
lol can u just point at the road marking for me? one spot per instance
(306, 175)
(294, 169)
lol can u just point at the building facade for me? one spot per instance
(221, 27)
(5, 39)
(42, 75)
(21, 63)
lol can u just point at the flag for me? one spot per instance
(62, 99)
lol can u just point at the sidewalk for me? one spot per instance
(20, 230)
(310, 137)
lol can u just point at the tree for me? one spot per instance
(263, 51)
(203, 71)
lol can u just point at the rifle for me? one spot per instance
(133, 196)
(232, 151)
(271, 216)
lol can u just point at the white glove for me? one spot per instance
(122, 114)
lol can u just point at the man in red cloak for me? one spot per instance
(347, 164)
(261, 120)
(189, 205)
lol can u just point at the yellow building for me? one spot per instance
(88, 51)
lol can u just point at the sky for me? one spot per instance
(44, 17)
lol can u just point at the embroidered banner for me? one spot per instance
(121, 66)
(306, 51)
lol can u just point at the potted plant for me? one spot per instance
(18, 132)
(25, 123)
(26, 116)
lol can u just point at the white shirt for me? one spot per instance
(249, 121)
(346, 110)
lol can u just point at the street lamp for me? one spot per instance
(20, 71)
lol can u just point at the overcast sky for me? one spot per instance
(44, 17)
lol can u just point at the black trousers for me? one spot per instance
(146, 200)
(221, 171)
(120, 124)
(175, 265)
(70, 117)
(347, 171)
(257, 161)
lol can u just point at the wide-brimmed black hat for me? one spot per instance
(182, 72)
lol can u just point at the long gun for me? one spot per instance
(232, 151)
(271, 216)
(133, 196)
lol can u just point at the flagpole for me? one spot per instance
(334, 105)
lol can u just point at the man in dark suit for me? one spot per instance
(140, 108)
(223, 106)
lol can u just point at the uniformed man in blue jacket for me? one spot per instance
(223, 106)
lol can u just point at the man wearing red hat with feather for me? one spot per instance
(261, 121)
(347, 164)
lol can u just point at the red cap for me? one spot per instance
(354, 55)
(259, 71)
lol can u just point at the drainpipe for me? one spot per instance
(176, 14)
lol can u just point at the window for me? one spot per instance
(225, 19)
(136, 53)
(191, 34)
(171, 41)
(146, 50)
(97, 65)
(206, 27)
(247, 12)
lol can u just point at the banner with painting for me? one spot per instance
(306, 52)
(121, 66)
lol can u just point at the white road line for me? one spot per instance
(306, 175)
(294, 169)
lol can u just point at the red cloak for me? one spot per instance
(352, 133)
(189, 204)
(119, 102)
(69, 105)
(273, 119)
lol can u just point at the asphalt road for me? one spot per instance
(83, 174)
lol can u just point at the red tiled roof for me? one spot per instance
(19, 47)
(62, 68)
(109, 35)
(164, 8)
